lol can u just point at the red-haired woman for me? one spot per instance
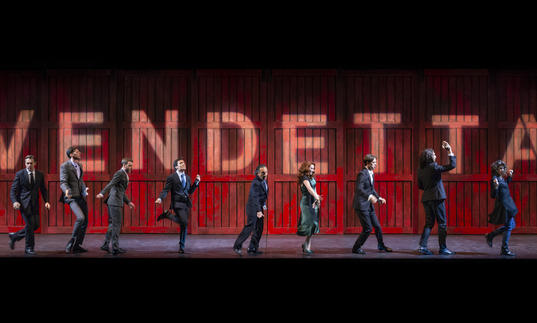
(308, 223)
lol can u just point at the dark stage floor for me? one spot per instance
(273, 247)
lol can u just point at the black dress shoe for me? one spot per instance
(488, 237)
(384, 248)
(446, 252)
(105, 248)
(79, 249)
(69, 247)
(254, 252)
(238, 251)
(507, 252)
(424, 251)
(359, 251)
(181, 250)
(11, 241)
(29, 251)
(119, 251)
(164, 215)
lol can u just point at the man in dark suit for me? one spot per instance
(181, 187)
(364, 198)
(255, 208)
(434, 195)
(74, 192)
(115, 200)
(25, 197)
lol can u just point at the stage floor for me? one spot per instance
(273, 247)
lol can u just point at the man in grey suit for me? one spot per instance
(74, 192)
(117, 187)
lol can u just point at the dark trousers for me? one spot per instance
(115, 215)
(255, 224)
(435, 210)
(80, 210)
(369, 221)
(506, 230)
(31, 219)
(181, 217)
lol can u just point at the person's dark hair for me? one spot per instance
(126, 160)
(70, 150)
(304, 170)
(30, 157)
(368, 159)
(176, 162)
(258, 168)
(495, 166)
(426, 157)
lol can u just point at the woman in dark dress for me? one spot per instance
(308, 224)
(504, 207)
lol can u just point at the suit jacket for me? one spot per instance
(504, 205)
(430, 180)
(69, 181)
(117, 187)
(25, 193)
(257, 198)
(362, 190)
(180, 194)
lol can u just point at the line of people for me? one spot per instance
(29, 182)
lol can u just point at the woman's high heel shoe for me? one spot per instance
(306, 251)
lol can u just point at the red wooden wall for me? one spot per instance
(226, 122)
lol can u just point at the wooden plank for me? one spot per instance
(242, 150)
(244, 189)
(474, 202)
(5, 202)
(225, 205)
(524, 198)
(202, 213)
(407, 211)
(332, 206)
(399, 204)
(217, 209)
(383, 215)
(391, 204)
(483, 204)
(349, 220)
(533, 204)
(234, 218)
(284, 221)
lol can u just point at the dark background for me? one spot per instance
(265, 41)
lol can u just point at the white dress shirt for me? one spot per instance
(30, 173)
(126, 174)
(77, 167)
(371, 179)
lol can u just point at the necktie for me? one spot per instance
(32, 179)
(77, 170)
(183, 179)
